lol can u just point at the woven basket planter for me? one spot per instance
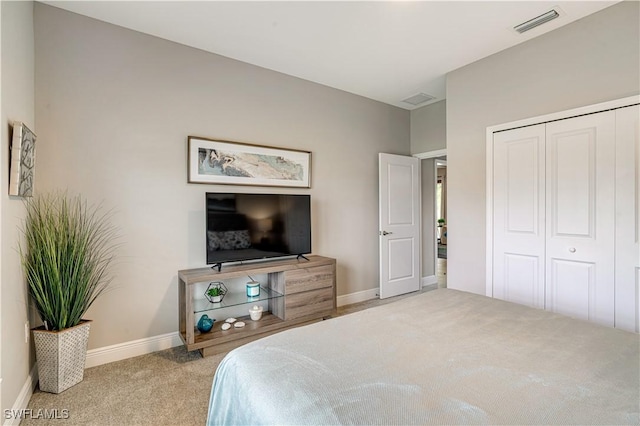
(61, 356)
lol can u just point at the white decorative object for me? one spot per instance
(230, 320)
(226, 326)
(255, 312)
(239, 324)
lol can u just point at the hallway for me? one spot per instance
(441, 272)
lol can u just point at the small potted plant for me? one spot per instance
(215, 292)
(441, 222)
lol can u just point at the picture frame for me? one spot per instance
(23, 160)
(234, 163)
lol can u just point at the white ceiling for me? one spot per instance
(383, 50)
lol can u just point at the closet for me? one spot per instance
(563, 223)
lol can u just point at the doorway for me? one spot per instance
(434, 267)
(440, 204)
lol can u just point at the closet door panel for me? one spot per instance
(522, 280)
(518, 225)
(627, 269)
(573, 169)
(580, 203)
(571, 289)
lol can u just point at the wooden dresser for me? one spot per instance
(298, 292)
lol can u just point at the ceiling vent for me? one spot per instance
(419, 99)
(538, 20)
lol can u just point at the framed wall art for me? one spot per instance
(23, 160)
(233, 163)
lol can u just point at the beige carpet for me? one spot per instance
(169, 387)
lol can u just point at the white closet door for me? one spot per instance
(580, 203)
(519, 208)
(627, 297)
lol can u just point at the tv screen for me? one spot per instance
(256, 226)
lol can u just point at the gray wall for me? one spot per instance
(114, 109)
(592, 60)
(17, 105)
(429, 128)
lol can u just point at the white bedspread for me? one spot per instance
(441, 357)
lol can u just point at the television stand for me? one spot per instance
(217, 265)
(302, 256)
(297, 293)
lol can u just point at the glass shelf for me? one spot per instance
(234, 299)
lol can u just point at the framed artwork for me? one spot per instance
(23, 160)
(233, 163)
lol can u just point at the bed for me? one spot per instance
(440, 357)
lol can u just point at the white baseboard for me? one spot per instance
(130, 349)
(360, 296)
(23, 398)
(429, 280)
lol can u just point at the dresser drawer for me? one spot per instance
(314, 303)
(306, 279)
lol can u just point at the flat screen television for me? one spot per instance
(256, 226)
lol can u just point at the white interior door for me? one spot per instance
(518, 215)
(580, 198)
(399, 214)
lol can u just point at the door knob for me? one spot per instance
(572, 250)
(386, 233)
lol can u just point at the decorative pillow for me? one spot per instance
(214, 242)
(235, 240)
(229, 240)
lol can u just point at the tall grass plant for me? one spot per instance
(68, 248)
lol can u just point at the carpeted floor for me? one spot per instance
(169, 387)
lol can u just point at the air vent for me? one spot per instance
(419, 99)
(538, 20)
